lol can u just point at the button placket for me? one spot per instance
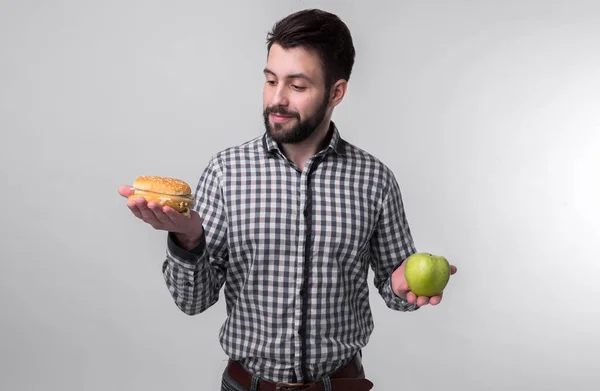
(300, 254)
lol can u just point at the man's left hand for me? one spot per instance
(401, 288)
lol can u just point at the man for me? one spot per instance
(289, 224)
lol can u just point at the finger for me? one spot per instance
(160, 215)
(452, 269)
(147, 214)
(176, 218)
(126, 191)
(131, 204)
(411, 297)
(422, 300)
(435, 300)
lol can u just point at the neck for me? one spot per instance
(301, 152)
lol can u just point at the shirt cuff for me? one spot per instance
(190, 256)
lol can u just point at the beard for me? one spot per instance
(301, 130)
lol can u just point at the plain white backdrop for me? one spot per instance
(487, 112)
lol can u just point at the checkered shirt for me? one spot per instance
(292, 249)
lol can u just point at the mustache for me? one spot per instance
(282, 111)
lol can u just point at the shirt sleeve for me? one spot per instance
(194, 277)
(391, 243)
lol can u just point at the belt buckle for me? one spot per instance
(283, 386)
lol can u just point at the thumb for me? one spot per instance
(399, 283)
(403, 287)
(126, 191)
(401, 290)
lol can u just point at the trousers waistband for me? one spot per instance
(345, 378)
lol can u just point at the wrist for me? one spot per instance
(188, 241)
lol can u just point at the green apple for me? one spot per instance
(427, 274)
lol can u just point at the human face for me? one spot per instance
(295, 101)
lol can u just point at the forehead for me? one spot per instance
(297, 60)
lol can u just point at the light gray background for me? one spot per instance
(487, 112)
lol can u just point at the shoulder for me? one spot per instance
(237, 154)
(250, 147)
(372, 166)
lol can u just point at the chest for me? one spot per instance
(273, 206)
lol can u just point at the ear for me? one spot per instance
(337, 92)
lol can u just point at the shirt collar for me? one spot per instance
(336, 143)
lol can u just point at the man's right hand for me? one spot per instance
(187, 230)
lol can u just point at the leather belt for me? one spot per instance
(343, 379)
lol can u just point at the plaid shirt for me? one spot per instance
(292, 249)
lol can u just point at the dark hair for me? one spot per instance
(322, 32)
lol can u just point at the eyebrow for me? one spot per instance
(292, 76)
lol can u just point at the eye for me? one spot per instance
(298, 88)
(271, 82)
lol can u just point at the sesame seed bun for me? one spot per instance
(165, 191)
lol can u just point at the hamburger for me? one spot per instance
(165, 191)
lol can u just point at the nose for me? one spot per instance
(280, 97)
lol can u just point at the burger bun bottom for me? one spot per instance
(180, 203)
